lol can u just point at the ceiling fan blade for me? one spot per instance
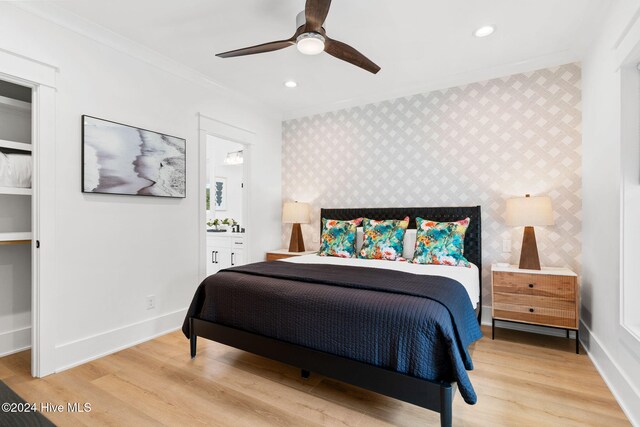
(261, 48)
(347, 53)
(315, 12)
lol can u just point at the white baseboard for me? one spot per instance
(15, 341)
(84, 350)
(624, 392)
(486, 320)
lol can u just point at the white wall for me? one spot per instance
(614, 352)
(113, 251)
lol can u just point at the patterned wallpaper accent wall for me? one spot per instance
(478, 144)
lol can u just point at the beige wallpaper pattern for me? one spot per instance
(477, 144)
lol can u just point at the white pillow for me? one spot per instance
(359, 239)
(408, 243)
(15, 170)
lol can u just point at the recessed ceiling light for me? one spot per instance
(290, 84)
(484, 31)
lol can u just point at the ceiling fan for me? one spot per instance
(311, 39)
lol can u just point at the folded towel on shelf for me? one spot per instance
(15, 170)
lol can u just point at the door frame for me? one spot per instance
(41, 78)
(210, 126)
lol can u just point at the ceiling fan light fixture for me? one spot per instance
(310, 43)
(484, 31)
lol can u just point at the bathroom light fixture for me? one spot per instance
(234, 158)
(290, 84)
(484, 31)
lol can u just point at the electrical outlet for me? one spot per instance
(151, 302)
(506, 245)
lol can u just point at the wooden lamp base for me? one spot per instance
(297, 242)
(529, 259)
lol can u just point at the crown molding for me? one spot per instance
(91, 30)
(473, 76)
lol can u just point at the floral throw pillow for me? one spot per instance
(383, 239)
(441, 242)
(339, 238)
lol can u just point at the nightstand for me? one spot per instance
(284, 253)
(547, 297)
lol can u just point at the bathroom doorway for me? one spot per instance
(225, 204)
(224, 193)
(225, 185)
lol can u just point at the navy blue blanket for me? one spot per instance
(414, 324)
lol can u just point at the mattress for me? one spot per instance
(466, 276)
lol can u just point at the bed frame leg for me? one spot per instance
(304, 373)
(192, 338)
(446, 406)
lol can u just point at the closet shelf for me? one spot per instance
(20, 105)
(16, 191)
(15, 238)
(15, 145)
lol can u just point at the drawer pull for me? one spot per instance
(237, 243)
(531, 285)
(531, 310)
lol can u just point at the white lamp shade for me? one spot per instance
(529, 211)
(295, 213)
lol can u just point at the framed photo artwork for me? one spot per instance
(220, 194)
(122, 159)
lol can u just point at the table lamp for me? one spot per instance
(528, 212)
(295, 213)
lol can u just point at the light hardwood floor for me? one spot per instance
(521, 379)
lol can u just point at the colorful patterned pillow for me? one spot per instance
(383, 239)
(440, 242)
(339, 238)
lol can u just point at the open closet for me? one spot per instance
(16, 198)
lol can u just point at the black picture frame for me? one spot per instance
(136, 163)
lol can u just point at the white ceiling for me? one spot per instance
(420, 44)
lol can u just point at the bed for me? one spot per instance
(377, 328)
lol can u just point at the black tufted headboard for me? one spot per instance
(472, 239)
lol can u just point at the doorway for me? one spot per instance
(27, 225)
(225, 186)
(16, 201)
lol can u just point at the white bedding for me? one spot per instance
(468, 277)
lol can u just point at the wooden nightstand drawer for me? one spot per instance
(533, 301)
(563, 287)
(544, 315)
